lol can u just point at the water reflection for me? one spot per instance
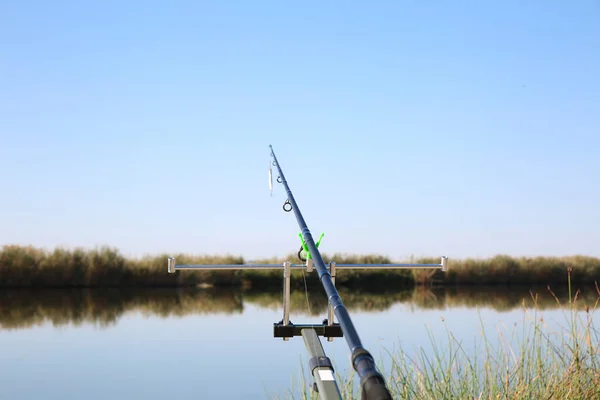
(26, 308)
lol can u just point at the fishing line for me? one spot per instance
(270, 179)
(306, 291)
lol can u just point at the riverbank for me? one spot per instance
(27, 266)
(529, 359)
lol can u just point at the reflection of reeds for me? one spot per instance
(316, 301)
(25, 308)
(20, 308)
(499, 298)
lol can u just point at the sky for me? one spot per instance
(404, 128)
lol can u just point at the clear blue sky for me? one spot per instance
(463, 128)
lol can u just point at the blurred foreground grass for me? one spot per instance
(529, 361)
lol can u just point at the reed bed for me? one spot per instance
(27, 266)
(529, 361)
(507, 270)
(25, 308)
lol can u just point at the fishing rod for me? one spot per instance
(372, 383)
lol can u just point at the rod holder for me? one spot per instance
(287, 274)
(320, 367)
(171, 265)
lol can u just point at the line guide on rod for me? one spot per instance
(371, 381)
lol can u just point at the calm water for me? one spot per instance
(163, 344)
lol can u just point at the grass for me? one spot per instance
(506, 270)
(27, 266)
(529, 361)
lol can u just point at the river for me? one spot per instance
(218, 343)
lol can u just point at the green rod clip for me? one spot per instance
(319, 241)
(305, 247)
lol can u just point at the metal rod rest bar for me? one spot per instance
(388, 266)
(295, 266)
(236, 266)
(301, 266)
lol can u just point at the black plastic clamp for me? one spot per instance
(315, 362)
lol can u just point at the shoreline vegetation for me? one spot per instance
(27, 266)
